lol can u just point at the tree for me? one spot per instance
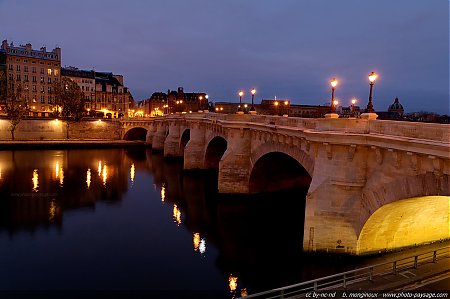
(69, 96)
(16, 107)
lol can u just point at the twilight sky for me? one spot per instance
(284, 48)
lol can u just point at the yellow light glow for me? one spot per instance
(201, 98)
(104, 174)
(334, 83)
(99, 168)
(244, 292)
(335, 102)
(372, 77)
(163, 193)
(286, 103)
(56, 120)
(88, 178)
(35, 180)
(132, 173)
(61, 176)
(52, 211)
(253, 91)
(206, 96)
(56, 169)
(241, 93)
(217, 109)
(245, 105)
(404, 223)
(232, 282)
(0, 173)
(196, 241)
(176, 215)
(275, 103)
(354, 101)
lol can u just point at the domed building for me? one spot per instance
(396, 107)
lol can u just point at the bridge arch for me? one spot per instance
(185, 137)
(214, 151)
(406, 223)
(406, 206)
(136, 133)
(294, 152)
(277, 171)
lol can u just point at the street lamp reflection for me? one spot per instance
(163, 193)
(176, 215)
(104, 174)
(35, 180)
(88, 178)
(196, 241)
(132, 172)
(202, 246)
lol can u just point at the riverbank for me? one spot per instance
(66, 144)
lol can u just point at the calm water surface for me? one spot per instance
(126, 219)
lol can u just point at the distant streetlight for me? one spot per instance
(333, 83)
(253, 96)
(241, 93)
(353, 113)
(200, 102)
(372, 78)
(276, 107)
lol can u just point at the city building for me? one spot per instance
(34, 71)
(395, 111)
(85, 80)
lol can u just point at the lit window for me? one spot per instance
(49, 72)
(56, 72)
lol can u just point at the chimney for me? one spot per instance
(5, 44)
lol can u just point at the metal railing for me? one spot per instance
(342, 280)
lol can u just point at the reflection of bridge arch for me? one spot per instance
(214, 151)
(276, 171)
(294, 152)
(137, 133)
(405, 223)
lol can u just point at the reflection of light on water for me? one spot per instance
(132, 172)
(99, 169)
(202, 246)
(88, 177)
(232, 282)
(0, 173)
(196, 241)
(176, 215)
(163, 193)
(52, 211)
(35, 180)
(104, 174)
(56, 169)
(244, 292)
(61, 176)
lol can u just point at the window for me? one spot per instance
(42, 70)
(34, 88)
(42, 100)
(49, 80)
(18, 77)
(11, 77)
(42, 79)
(56, 72)
(10, 67)
(18, 68)
(42, 89)
(25, 69)
(98, 99)
(109, 100)
(25, 78)
(34, 78)
(43, 108)
(49, 89)
(33, 69)
(49, 72)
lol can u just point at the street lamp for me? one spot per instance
(333, 83)
(252, 109)
(372, 78)
(276, 107)
(241, 93)
(200, 102)
(353, 107)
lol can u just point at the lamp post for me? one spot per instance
(276, 107)
(200, 98)
(333, 83)
(353, 114)
(207, 104)
(372, 78)
(240, 110)
(286, 103)
(252, 109)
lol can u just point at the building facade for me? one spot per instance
(35, 71)
(112, 98)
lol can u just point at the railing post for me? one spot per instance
(434, 256)
(394, 267)
(344, 282)
(371, 274)
(315, 285)
(282, 294)
(415, 262)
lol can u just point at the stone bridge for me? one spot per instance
(373, 185)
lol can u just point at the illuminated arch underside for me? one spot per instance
(406, 222)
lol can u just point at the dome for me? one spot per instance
(396, 106)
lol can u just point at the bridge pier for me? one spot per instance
(150, 134)
(159, 137)
(333, 203)
(194, 152)
(235, 165)
(172, 142)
